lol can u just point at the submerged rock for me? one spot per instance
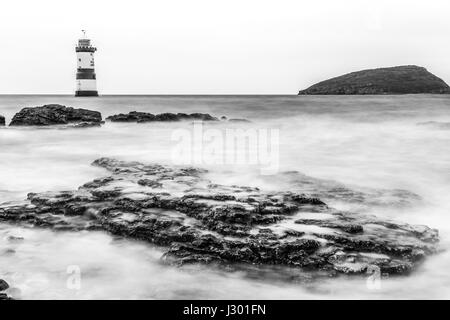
(54, 114)
(435, 125)
(2, 121)
(334, 191)
(239, 120)
(140, 117)
(197, 221)
(395, 80)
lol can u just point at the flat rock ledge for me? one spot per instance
(56, 114)
(197, 221)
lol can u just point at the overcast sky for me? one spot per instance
(216, 46)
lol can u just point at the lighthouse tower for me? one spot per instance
(86, 79)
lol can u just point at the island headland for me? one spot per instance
(395, 80)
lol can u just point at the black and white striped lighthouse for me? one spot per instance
(86, 79)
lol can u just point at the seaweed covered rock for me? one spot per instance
(198, 221)
(55, 114)
(140, 117)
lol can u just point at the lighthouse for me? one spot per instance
(86, 79)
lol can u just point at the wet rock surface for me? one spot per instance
(197, 221)
(140, 117)
(2, 121)
(334, 191)
(55, 114)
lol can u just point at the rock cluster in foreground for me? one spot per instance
(395, 80)
(135, 116)
(197, 221)
(56, 114)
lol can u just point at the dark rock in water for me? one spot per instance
(3, 285)
(54, 114)
(140, 117)
(8, 252)
(2, 121)
(223, 118)
(15, 239)
(435, 125)
(395, 80)
(239, 120)
(198, 221)
(133, 116)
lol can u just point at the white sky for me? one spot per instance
(216, 46)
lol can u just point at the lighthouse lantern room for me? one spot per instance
(86, 80)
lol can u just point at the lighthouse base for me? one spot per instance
(85, 93)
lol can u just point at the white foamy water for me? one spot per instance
(365, 141)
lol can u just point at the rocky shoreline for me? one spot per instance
(198, 221)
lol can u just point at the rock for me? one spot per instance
(223, 118)
(239, 120)
(395, 80)
(197, 221)
(3, 285)
(87, 125)
(2, 121)
(140, 117)
(15, 239)
(4, 296)
(54, 114)
(333, 191)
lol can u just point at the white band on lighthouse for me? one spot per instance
(86, 84)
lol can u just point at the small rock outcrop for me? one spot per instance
(198, 221)
(2, 121)
(4, 286)
(395, 80)
(55, 114)
(140, 117)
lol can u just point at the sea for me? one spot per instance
(375, 142)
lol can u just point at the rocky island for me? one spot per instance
(395, 80)
(198, 221)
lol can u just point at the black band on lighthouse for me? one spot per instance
(85, 74)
